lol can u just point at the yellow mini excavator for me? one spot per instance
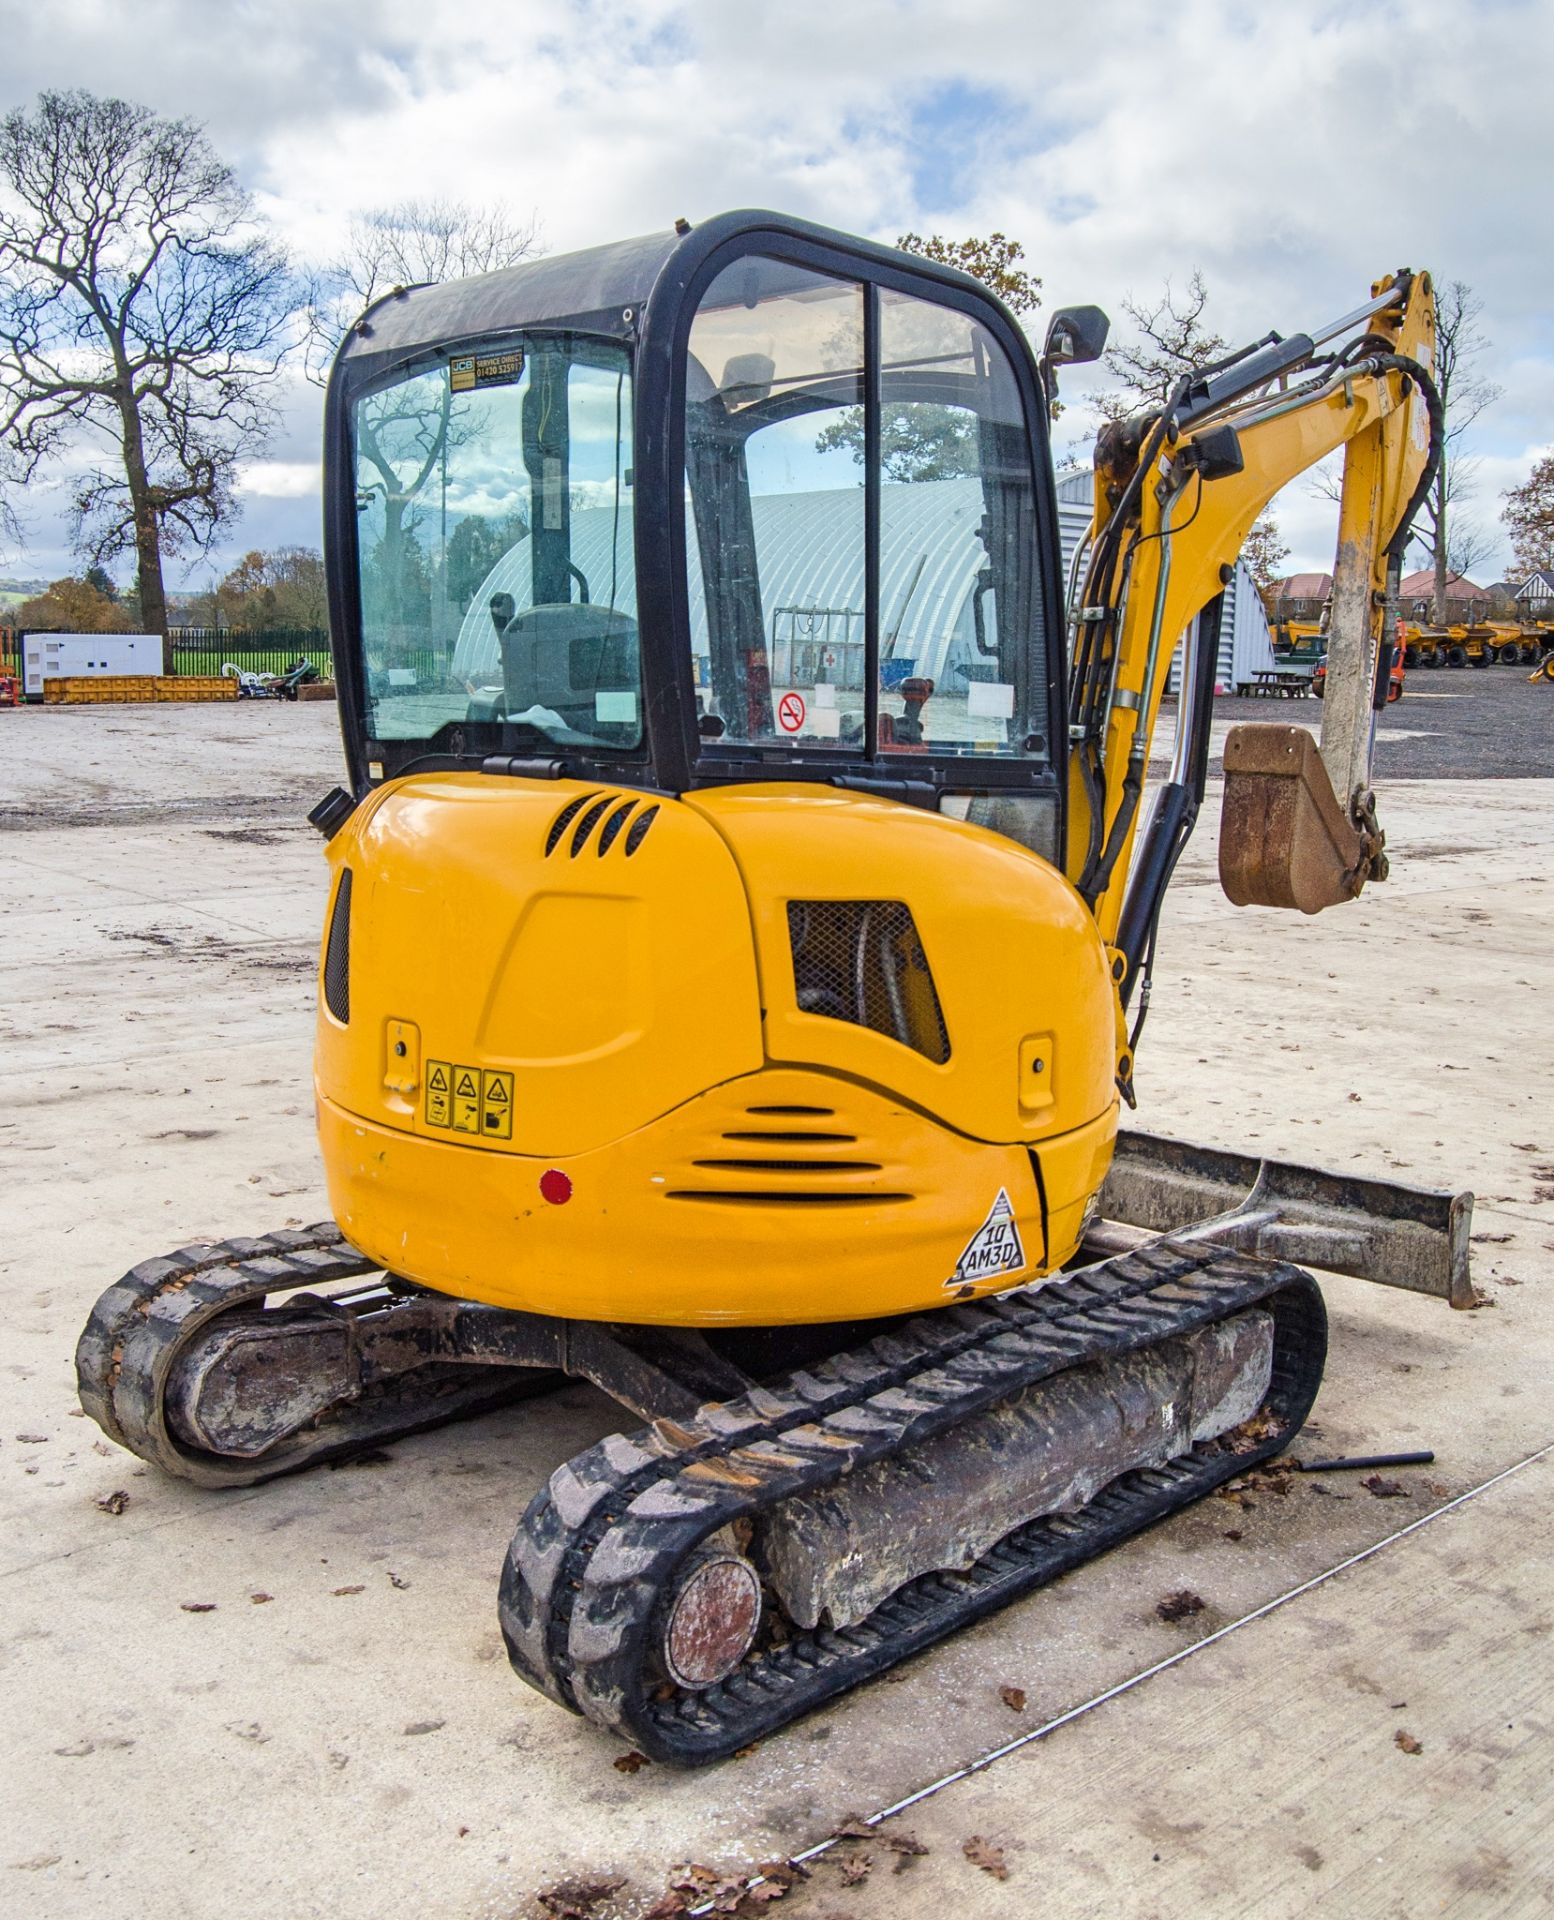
(741, 920)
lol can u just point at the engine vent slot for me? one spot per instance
(775, 1197)
(337, 953)
(586, 825)
(559, 825)
(639, 829)
(771, 1136)
(612, 826)
(753, 1165)
(862, 961)
(819, 1113)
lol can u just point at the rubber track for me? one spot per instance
(599, 1547)
(143, 1322)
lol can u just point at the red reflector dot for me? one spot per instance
(555, 1186)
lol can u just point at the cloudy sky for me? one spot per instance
(1292, 152)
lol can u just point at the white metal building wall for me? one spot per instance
(1245, 642)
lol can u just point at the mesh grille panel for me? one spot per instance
(862, 961)
(337, 955)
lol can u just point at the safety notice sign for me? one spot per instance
(469, 1099)
(790, 712)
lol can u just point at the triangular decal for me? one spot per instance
(994, 1248)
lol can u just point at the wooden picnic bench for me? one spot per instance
(1277, 683)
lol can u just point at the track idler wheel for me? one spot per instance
(708, 1620)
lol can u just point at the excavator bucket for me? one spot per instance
(1284, 839)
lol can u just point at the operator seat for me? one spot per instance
(563, 657)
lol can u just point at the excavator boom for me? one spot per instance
(1176, 495)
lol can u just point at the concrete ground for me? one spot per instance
(340, 1735)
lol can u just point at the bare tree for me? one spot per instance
(143, 314)
(1465, 393)
(1170, 339)
(404, 432)
(410, 244)
(1467, 544)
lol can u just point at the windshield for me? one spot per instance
(494, 540)
(779, 475)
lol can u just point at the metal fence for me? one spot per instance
(207, 650)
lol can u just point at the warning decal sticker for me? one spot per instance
(993, 1249)
(439, 1089)
(469, 1099)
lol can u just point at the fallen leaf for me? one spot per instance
(340, 1593)
(906, 1847)
(855, 1827)
(1384, 1489)
(764, 1893)
(1013, 1698)
(629, 1762)
(1180, 1605)
(463, 1833)
(854, 1870)
(196, 1606)
(1232, 1533)
(426, 1726)
(982, 1853)
(667, 1906)
(1406, 1741)
(114, 1502)
(1437, 1488)
(395, 1581)
(576, 1899)
(33, 1439)
(260, 1599)
(784, 1873)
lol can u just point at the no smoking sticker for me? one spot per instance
(790, 712)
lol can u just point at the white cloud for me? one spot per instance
(1294, 153)
(278, 479)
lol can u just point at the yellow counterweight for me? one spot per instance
(757, 1056)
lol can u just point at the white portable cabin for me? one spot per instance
(85, 656)
(1245, 639)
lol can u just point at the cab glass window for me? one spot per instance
(961, 666)
(494, 539)
(775, 518)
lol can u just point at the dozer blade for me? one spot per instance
(1411, 1237)
(1284, 837)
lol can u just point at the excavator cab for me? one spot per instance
(753, 501)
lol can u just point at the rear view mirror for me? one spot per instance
(1077, 334)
